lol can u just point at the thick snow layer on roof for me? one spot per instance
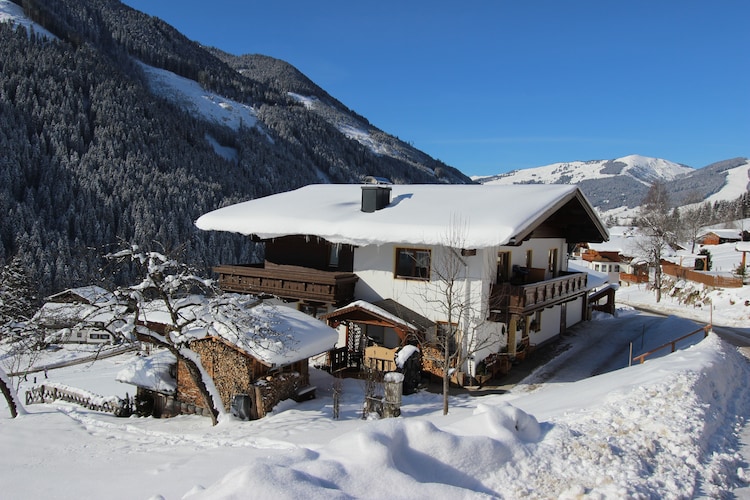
(280, 336)
(92, 294)
(151, 372)
(275, 335)
(418, 214)
(363, 304)
(595, 278)
(724, 233)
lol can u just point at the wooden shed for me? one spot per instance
(257, 369)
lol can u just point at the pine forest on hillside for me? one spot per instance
(92, 159)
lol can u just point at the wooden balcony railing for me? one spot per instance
(289, 282)
(530, 297)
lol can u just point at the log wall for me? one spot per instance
(234, 372)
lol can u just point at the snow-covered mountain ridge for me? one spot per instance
(641, 168)
(623, 182)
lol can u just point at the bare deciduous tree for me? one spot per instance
(167, 281)
(449, 292)
(195, 308)
(659, 228)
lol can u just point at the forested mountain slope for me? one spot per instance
(92, 157)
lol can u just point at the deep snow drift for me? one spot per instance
(668, 428)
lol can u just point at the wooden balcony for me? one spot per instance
(289, 282)
(530, 297)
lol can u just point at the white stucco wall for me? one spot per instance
(574, 314)
(375, 267)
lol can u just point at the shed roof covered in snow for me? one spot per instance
(91, 294)
(417, 214)
(273, 334)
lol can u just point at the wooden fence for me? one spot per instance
(48, 393)
(702, 277)
(672, 344)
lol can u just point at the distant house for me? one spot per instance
(719, 236)
(367, 257)
(252, 371)
(83, 315)
(621, 258)
(603, 260)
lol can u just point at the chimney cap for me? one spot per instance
(371, 179)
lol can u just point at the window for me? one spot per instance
(412, 263)
(315, 310)
(503, 267)
(333, 256)
(529, 259)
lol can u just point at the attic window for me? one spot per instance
(413, 263)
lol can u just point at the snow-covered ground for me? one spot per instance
(725, 307)
(10, 12)
(670, 428)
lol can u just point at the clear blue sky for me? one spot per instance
(489, 86)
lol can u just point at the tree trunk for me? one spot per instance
(9, 394)
(657, 282)
(196, 374)
(446, 376)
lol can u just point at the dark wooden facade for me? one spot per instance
(289, 282)
(318, 253)
(296, 268)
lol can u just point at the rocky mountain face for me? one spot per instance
(116, 128)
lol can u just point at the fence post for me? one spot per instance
(630, 356)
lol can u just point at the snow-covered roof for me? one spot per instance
(376, 310)
(58, 314)
(624, 244)
(417, 214)
(729, 234)
(273, 334)
(595, 278)
(150, 372)
(91, 294)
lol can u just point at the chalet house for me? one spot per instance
(603, 260)
(252, 371)
(719, 236)
(371, 260)
(80, 315)
(620, 257)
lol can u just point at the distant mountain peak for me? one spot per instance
(623, 182)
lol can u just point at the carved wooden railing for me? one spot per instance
(526, 298)
(289, 282)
